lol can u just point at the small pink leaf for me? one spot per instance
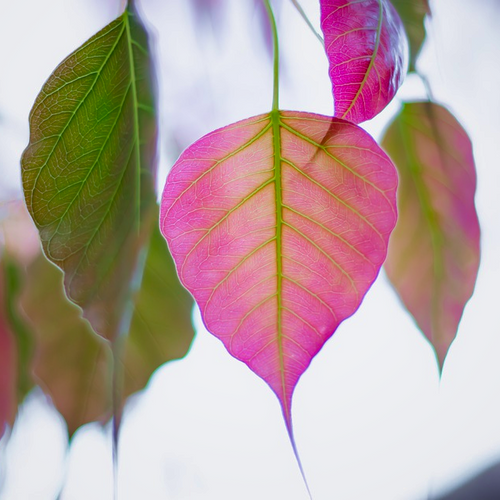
(434, 252)
(366, 46)
(278, 225)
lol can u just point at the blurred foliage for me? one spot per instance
(413, 14)
(45, 340)
(433, 255)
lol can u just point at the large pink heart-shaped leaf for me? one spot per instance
(278, 225)
(365, 44)
(434, 252)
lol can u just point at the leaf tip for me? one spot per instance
(287, 415)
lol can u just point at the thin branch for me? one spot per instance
(300, 10)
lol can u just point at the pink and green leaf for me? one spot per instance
(434, 251)
(278, 226)
(366, 49)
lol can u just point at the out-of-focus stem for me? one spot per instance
(300, 10)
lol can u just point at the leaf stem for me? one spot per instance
(427, 86)
(300, 10)
(276, 54)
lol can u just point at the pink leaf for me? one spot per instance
(278, 225)
(434, 252)
(366, 46)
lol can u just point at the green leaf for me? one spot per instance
(412, 13)
(88, 171)
(74, 364)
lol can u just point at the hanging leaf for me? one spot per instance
(8, 364)
(278, 226)
(88, 171)
(434, 252)
(14, 276)
(365, 45)
(73, 363)
(16, 342)
(18, 245)
(413, 14)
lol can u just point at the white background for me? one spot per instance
(371, 419)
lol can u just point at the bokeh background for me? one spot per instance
(372, 421)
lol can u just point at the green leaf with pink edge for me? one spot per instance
(366, 48)
(278, 226)
(434, 251)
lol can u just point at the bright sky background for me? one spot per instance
(371, 420)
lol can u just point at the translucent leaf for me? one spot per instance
(278, 226)
(88, 171)
(73, 364)
(412, 13)
(434, 251)
(366, 46)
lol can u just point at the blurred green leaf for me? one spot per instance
(15, 281)
(74, 364)
(161, 328)
(16, 342)
(8, 400)
(88, 171)
(412, 13)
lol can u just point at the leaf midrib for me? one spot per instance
(431, 217)
(136, 116)
(372, 60)
(277, 146)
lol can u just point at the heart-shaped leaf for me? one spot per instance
(278, 226)
(73, 363)
(88, 171)
(434, 252)
(413, 14)
(365, 45)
